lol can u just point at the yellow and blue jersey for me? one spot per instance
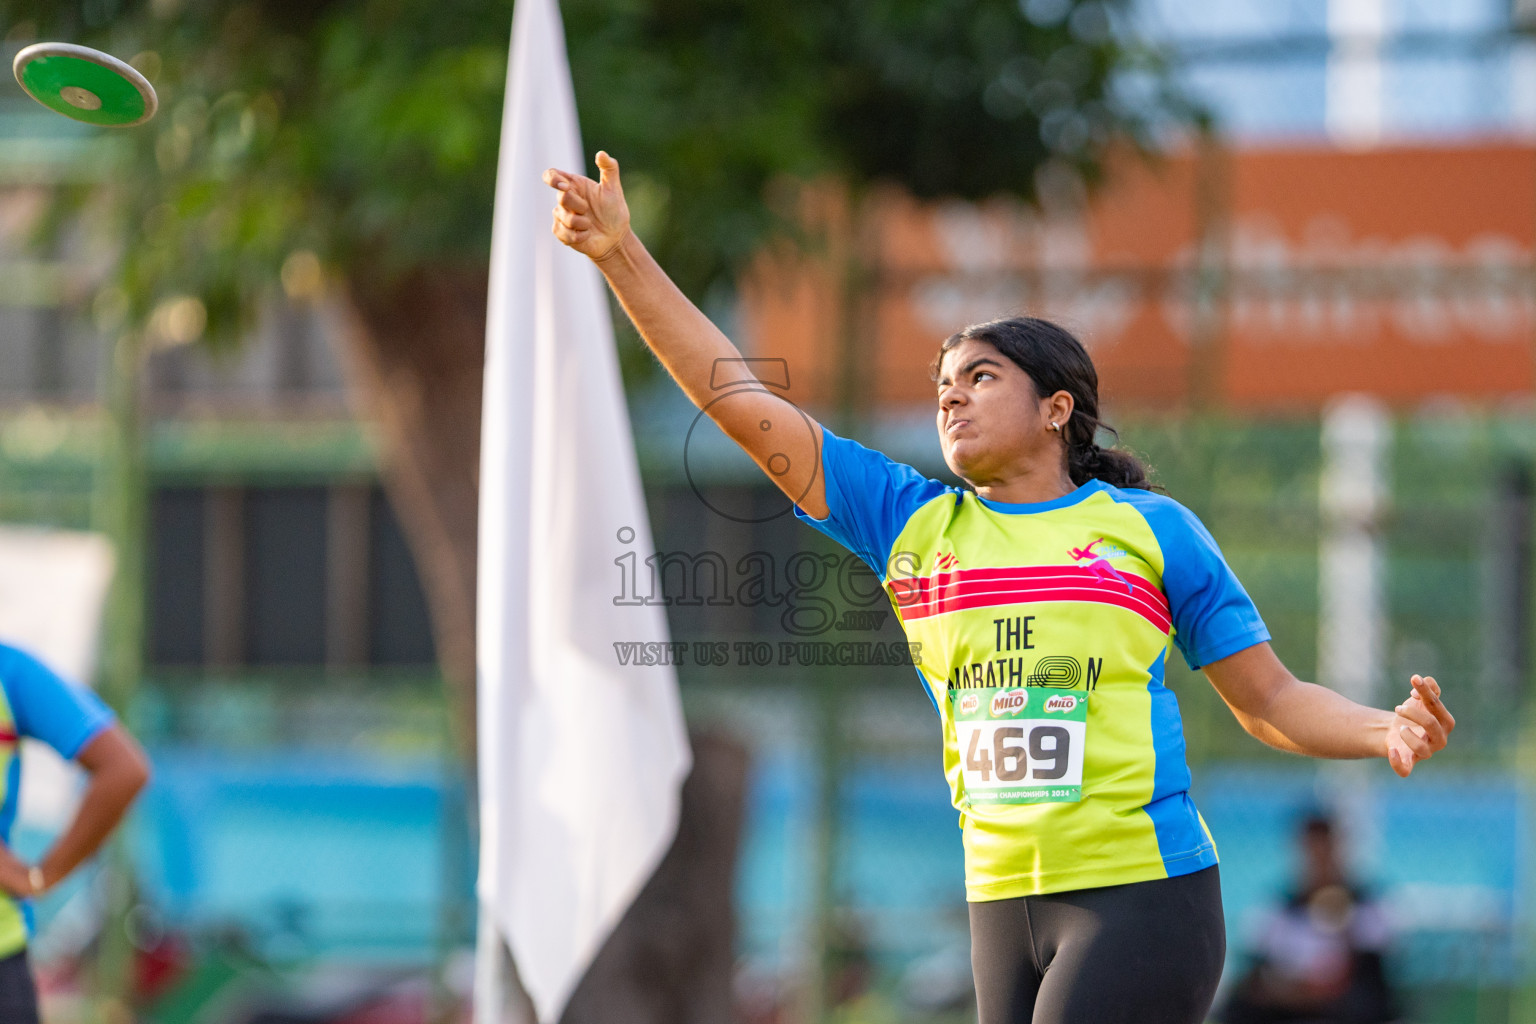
(1041, 632)
(36, 704)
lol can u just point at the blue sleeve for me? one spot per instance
(869, 498)
(1213, 616)
(45, 707)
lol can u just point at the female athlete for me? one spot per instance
(1044, 598)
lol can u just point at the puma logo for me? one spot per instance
(1099, 565)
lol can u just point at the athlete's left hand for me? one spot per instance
(1420, 726)
(13, 874)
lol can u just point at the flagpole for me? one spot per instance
(489, 974)
(498, 997)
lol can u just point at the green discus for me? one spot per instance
(85, 84)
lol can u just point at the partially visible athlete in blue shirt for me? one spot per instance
(35, 703)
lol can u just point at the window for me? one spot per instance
(283, 576)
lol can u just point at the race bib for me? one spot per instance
(1021, 746)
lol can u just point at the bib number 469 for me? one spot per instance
(1024, 761)
(1043, 757)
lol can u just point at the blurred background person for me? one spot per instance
(36, 704)
(1319, 958)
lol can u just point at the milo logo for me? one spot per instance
(1009, 702)
(969, 703)
(1060, 702)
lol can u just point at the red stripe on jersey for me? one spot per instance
(913, 591)
(925, 596)
(8, 735)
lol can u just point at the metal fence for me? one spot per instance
(858, 880)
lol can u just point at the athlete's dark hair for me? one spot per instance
(1056, 361)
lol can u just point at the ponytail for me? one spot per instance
(1114, 466)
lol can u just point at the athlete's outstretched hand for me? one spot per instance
(590, 216)
(1420, 728)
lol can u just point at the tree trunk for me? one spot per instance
(671, 958)
(415, 355)
(414, 351)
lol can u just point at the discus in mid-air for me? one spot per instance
(85, 84)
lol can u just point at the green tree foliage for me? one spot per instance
(365, 131)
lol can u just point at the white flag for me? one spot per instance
(581, 757)
(53, 588)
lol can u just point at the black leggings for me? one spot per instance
(18, 998)
(1144, 953)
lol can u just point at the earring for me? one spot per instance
(1056, 427)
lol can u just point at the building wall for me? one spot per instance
(1253, 279)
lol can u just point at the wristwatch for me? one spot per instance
(36, 880)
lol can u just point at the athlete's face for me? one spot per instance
(993, 427)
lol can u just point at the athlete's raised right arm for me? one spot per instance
(593, 218)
